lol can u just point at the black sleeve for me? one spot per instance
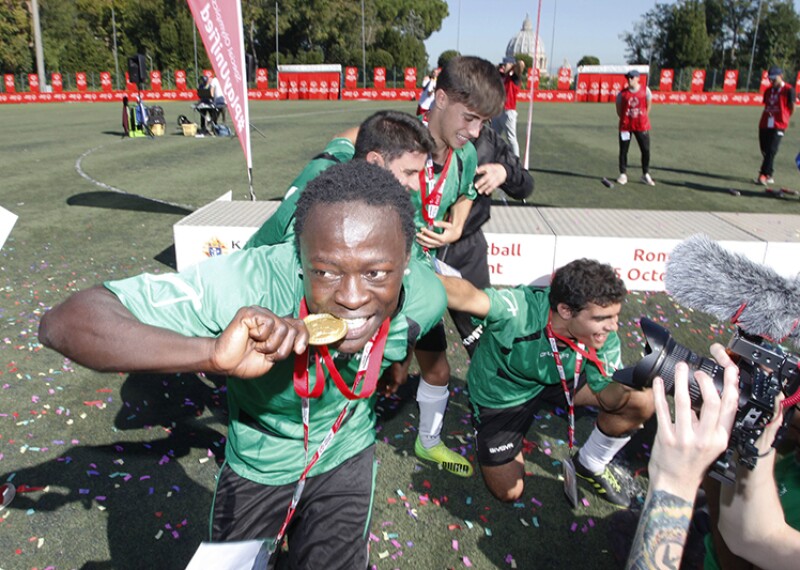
(492, 148)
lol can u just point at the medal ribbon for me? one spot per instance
(430, 188)
(368, 370)
(563, 377)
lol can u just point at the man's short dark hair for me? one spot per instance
(585, 281)
(475, 83)
(392, 134)
(356, 182)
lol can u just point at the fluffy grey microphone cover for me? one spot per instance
(704, 276)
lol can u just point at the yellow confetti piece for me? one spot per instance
(384, 554)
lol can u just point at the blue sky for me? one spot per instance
(582, 27)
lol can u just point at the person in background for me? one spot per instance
(633, 109)
(779, 101)
(218, 98)
(428, 89)
(506, 123)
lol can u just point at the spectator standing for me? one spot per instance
(506, 122)
(428, 91)
(779, 102)
(633, 110)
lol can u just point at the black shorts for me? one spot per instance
(435, 340)
(499, 431)
(330, 528)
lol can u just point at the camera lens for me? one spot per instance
(662, 354)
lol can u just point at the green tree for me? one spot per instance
(15, 38)
(688, 44)
(589, 60)
(446, 56)
(647, 40)
(777, 42)
(528, 59)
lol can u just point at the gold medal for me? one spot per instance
(324, 328)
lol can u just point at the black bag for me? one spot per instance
(155, 116)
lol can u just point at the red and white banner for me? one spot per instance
(105, 81)
(130, 87)
(56, 82)
(155, 80)
(730, 81)
(80, 81)
(180, 80)
(261, 78)
(33, 82)
(220, 26)
(665, 82)
(797, 83)
(379, 77)
(350, 77)
(698, 80)
(410, 78)
(564, 78)
(765, 82)
(8, 81)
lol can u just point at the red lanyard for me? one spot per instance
(368, 371)
(431, 188)
(563, 376)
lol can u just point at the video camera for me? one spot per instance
(764, 372)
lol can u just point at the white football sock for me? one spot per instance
(599, 450)
(432, 402)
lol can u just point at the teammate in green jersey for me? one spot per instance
(527, 333)
(239, 315)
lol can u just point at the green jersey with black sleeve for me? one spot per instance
(458, 182)
(279, 228)
(514, 360)
(265, 437)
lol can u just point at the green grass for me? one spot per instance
(123, 456)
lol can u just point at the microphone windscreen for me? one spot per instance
(702, 275)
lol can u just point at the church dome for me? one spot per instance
(524, 42)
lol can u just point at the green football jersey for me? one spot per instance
(459, 182)
(514, 361)
(265, 439)
(279, 228)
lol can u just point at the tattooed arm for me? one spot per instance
(682, 452)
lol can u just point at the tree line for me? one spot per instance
(720, 34)
(80, 34)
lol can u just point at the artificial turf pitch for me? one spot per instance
(117, 470)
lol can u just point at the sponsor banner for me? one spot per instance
(548, 96)
(520, 258)
(220, 26)
(8, 82)
(130, 87)
(410, 78)
(105, 81)
(797, 83)
(379, 77)
(665, 82)
(380, 94)
(698, 80)
(564, 78)
(350, 77)
(56, 82)
(33, 82)
(180, 80)
(155, 80)
(80, 81)
(731, 80)
(262, 78)
(687, 98)
(309, 85)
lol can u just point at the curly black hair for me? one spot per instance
(356, 182)
(586, 281)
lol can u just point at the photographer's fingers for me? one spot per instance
(729, 403)
(662, 408)
(721, 355)
(684, 415)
